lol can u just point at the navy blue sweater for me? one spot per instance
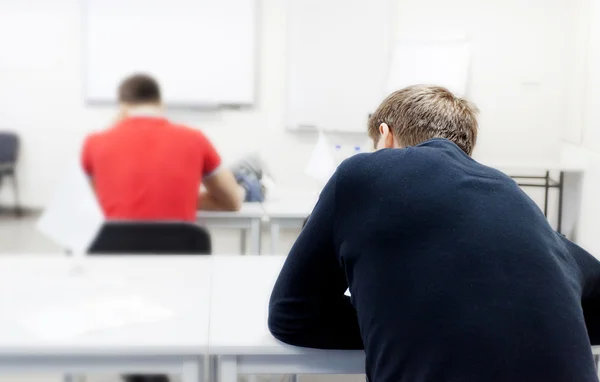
(455, 275)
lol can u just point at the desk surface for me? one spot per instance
(239, 308)
(241, 287)
(248, 210)
(293, 208)
(31, 285)
(290, 207)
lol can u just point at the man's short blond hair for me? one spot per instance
(418, 113)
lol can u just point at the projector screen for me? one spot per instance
(202, 52)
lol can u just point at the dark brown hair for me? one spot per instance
(139, 89)
(422, 112)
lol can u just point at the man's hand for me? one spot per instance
(222, 192)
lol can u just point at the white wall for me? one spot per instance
(582, 133)
(519, 70)
(41, 95)
(591, 111)
(519, 81)
(587, 226)
(572, 131)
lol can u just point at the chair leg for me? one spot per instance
(18, 209)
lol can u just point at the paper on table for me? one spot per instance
(443, 63)
(66, 321)
(321, 164)
(73, 218)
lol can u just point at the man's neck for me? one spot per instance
(145, 111)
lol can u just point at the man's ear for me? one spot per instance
(384, 129)
(387, 138)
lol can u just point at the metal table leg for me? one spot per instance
(243, 241)
(275, 229)
(255, 237)
(546, 192)
(547, 185)
(213, 368)
(561, 186)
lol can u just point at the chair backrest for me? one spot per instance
(9, 147)
(152, 238)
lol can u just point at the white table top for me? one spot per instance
(239, 308)
(248, 210)
(31, 285)
(241, 287)
(293, 208)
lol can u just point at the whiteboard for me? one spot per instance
(442, 63)
(202, 52)
(338, 60)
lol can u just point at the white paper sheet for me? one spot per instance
(443, 63)
(68, 320)
(73, 218)
(321, 165)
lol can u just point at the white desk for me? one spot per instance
(288, 213)
(172, 346)
(246, 219)
(241, 287)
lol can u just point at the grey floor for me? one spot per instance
(19, 236)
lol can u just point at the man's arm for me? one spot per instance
(222, 192)
(308, 306)
(86, 161)
(589, 272)
(86, 157)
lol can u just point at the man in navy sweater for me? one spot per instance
(455, 274)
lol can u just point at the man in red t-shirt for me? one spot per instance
(147, 168)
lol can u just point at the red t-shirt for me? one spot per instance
(146, 168)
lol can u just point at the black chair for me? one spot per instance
(159, 238)
(151, 238)
(9, 153)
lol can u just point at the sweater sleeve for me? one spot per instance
(308, 306)
(589, 274)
